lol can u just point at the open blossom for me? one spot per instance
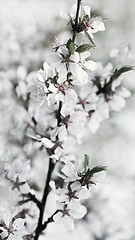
(17, 174)
(86, 22)
(68, 202)
(78, 67)
(38, 92)
(77, 64)
(68, 214)
(72, 124)
(10, 228)
(111, 95)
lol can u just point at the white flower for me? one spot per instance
(77, 64)
(96, 117)
(87, 97)
(61, 155)
(47, 142)
(13, 229)
(90, 24)
(17, 173)
(73, 124)
(39, 91)
(74, 210)
(70, 172)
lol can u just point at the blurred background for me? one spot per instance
(27, 31)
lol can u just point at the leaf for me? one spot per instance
(120, 71)
(108, 86)
(84, 48)
(89, 37)
(70, 46)
(86, 162)
(69, 74)
(96, 169)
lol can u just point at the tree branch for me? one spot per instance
(39, 228)
(76, 20)
(49, 220)
(33, 198)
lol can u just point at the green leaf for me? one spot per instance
(96, 169)
(86, 162)
(69, 74)
(118, 72)
(70, 46)
(84, 48)
(108, 86)
(89, 37)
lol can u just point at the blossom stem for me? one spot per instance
(76, 20)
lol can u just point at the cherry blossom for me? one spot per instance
(12, 228)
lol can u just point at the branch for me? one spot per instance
(49, 220)
(39, 228)
(76, 20)
(34, 199)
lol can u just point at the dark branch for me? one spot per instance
(59, 114)
(39, 228)
(49, 220)
(76, 20)
(33, 198)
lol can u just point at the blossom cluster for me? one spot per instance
(61, 101)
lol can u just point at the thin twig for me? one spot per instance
(49, 220)
(34, 199)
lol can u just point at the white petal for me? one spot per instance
(57, 217)
(79, 73)
(85, 55)
(25, 188)
(84, 194)
(62, 133)
(40, 77)
(77, 210)
(52, 185)
(87, 10)
(53, 58)
(47, 143)
(75, 186)
(123, 92)
(117, 103)
(91, 65)
(7, 218)
(38, 103)
(52, 88)
(97, 25)
(75, 57)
